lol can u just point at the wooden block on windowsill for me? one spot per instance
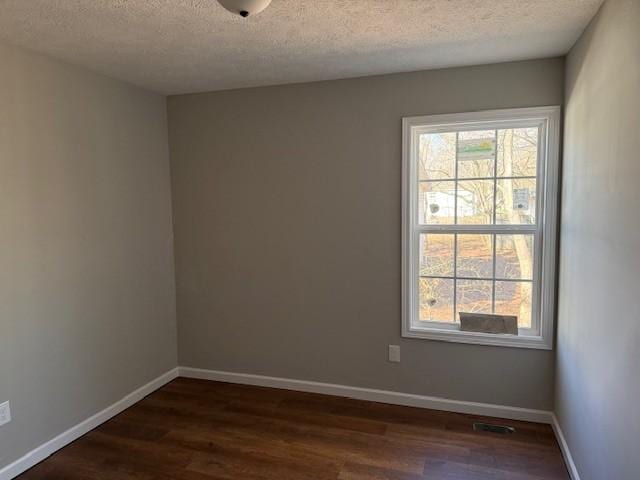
(489, 323)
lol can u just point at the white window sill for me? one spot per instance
(446, 335)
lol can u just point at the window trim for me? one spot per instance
(547, 210)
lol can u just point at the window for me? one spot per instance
(479, 223)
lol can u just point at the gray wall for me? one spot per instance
(287, 226)
(87, 306)
(598, 377)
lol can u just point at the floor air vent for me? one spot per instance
(488, 427)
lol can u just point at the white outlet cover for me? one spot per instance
(5, 413)
(394, 353)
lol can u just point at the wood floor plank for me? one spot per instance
(202, 430)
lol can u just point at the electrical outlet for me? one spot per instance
(394, 353)
(5, 413)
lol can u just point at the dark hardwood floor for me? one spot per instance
(200, 430)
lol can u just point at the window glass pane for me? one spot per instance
(473, 296)
(476, 168)
(476, 154)
(514, 298)
(516, 201)
(436, 300)
(436, 156)
(475, 202)
(436, 255)
(517, 152)
(475, 256)
(514, 256)
(478, 143)
(436, 203)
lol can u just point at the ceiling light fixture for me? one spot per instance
(244, 8)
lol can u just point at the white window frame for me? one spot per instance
(540, 336)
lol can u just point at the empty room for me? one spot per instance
(319, 239)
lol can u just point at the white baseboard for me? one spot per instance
(43, 451)
(564, 447)
(382, 396)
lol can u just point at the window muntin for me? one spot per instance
(489, 273)
(475, 220)
(478, 177)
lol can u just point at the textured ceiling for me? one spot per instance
(181, 46)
